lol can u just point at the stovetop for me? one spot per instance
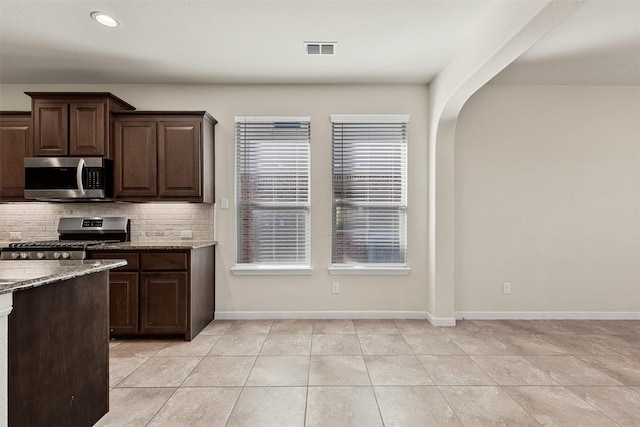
(50, 249)
(62, 244)
(76, 235)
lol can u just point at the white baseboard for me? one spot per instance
(551, 315)
(414, 315)
(424, 315)
(253, 315)
(441, 321)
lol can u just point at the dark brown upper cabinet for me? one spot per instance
(164, 156)
(15, 145)
(73, 123)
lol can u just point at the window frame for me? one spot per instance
(252, 268)
(370, 268)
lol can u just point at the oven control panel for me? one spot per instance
(92, 222)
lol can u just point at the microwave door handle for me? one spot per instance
(79, 176)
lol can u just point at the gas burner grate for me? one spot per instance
(66, 244)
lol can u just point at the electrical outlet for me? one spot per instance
(15, 235)
(186, 234)
(335, 288)
(224, 203)
(506, 288)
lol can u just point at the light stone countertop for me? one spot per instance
(20, 275)
(146, 245)
(159, 245)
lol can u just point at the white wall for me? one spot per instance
(281, 296)
(548, 198)
(508, 30)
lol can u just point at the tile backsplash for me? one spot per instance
(149, 221)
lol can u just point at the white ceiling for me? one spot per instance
(261, 42)
(599, 44)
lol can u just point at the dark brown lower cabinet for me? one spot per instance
(58, 353)
(123, 300)
(161, 292)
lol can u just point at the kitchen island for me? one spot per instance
(54, 342)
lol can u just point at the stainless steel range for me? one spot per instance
(75, 236)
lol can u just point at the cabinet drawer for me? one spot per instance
(130, 257)
(162, 261)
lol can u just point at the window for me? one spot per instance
(369, 192)
(272, 193)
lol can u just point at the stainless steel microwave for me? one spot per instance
(68, 178)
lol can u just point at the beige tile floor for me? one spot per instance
(381, 373)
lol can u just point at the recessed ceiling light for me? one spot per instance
(104, 19)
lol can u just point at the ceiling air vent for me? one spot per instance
(320, 48)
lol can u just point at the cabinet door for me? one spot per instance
(179, 158)
(50, 127)
(123, 303)
(88, 132)
(163, 303)
(135, 158)
(15, 144)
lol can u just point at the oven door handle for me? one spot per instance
(79, 176)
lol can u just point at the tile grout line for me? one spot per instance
(373, 391)
(181, 384)
(497, 384)
(141, 365)
(242, 388)
(431, 378)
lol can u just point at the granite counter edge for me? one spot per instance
(68, 270)
(150, 246)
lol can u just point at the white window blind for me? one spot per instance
(369, 189)
(272, 190)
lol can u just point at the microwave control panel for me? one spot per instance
(94, 179)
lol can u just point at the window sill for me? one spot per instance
(369, 270)
(271, 271)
